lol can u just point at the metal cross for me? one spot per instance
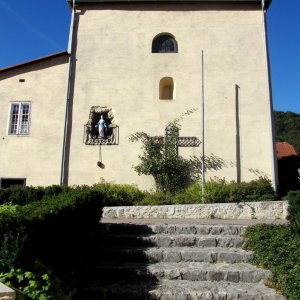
(172, 141)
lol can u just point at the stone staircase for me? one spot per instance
(174, 262)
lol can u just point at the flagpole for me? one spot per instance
(202, 164)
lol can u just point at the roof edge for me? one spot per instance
(267, 2)
(29, 62)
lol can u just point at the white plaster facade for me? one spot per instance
(114, 67)
(35, 157)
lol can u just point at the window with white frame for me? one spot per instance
(19, 118)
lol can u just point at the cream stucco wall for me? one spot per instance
(36, 157)
(115, 68)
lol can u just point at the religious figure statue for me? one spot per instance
(102, 127)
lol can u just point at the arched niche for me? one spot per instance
(91, 132)
(166, 88)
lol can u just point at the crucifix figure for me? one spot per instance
(172, 141)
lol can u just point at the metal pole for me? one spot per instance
(203, 160)
(237, 135)
(70, 48)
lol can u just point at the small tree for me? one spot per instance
(171, 172)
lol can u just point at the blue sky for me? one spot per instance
(35, 28)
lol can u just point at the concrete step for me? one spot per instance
(176, 254)
(194, 271)
(179, 290)
(201, 229)
(176, 240)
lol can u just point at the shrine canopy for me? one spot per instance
(267, 2)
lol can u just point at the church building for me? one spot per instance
(136, 65)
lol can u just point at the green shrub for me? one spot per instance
(55, 230)
(218, 191)
(56, 226)
(25, 195)
(29, 285)
(294, 210)
(119, 195)
(8, 208)
(277, 248)
(32, 286)
(12, 247)
(192, 195)
(171, 172)
(156, 198)
(256, 190)
(114, 194)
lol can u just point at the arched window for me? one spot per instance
(164, 43)
(166, 88)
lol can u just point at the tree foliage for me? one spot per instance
(287, 128)
(171, 173)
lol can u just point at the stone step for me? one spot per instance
(176, 240)
(194, 271)
(265, 210)
(200, 229)
(179, 290)
(176, 254)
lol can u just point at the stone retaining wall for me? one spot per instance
(268, 210)
(6, 293)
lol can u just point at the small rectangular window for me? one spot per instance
(19, 118)
(12, 182)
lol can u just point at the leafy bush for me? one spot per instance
(278, 249)
(58, 228)
(218, 191)
(31, 286)
(192, 195)
(53, 230)
(171, 172)
(39, 227)
(25, 195)
(119, 195)
(113, 194)
(294, 210)
(156, 198)
(8, 208)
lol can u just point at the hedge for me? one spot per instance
(113, 194)
(25, 195)
(277, 248)
(57, 230)
(216, 191)
(294, 210)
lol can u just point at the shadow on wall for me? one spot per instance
(211, 162)
(215, 163)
